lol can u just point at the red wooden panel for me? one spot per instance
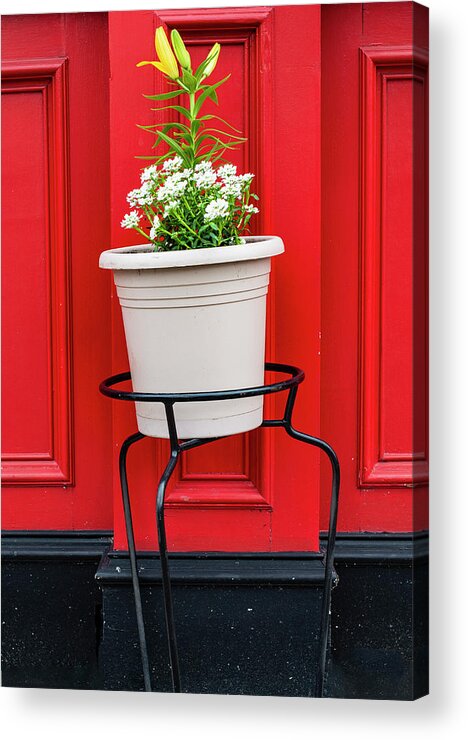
(19, 324)
(374, 268)
(240, 493)
(242, 107)
(56, 195)
(233, 472)
(195, 466)
(37, 442)
(393, 450)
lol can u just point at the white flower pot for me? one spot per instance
(195, 321)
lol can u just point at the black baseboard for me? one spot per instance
(51, 609)
(247, 621)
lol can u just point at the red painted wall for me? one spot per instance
(339, 147)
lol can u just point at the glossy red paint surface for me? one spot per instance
(238, 494)
(374, 261)
(56, 440)
(340, 157)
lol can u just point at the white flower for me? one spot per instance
(204, 179)
(132, 197)
(130, 220)
(149, 173)
(140, 196)
(203, 166)
(218, 208)
(155, 227)
(251, 209)
(172, 188)
(248, 177)
(170, 207)
(170, 165)
(178, 177)
(232, 186)
(226, 171)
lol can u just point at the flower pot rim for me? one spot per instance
(143, 257)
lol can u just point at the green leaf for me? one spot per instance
(175, 124)
(189, 80)
(218, 118)
(196, 125)
(165, 127)
(217, 140)
(145, 128)
(206, 93)
(219, 131)
(165, 96)
(178, 108)
(173, 145)
(201, 68)
(213, 96)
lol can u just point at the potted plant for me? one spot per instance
(193, 296)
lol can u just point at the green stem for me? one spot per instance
(192, 131)
(179, 218)
(185, 200)
(137, 228)
(149, 213)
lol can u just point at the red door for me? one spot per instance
(56, 344)
(256, 491)
(374, 261)
(330, 99)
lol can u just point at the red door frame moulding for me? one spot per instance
(377, 467)
(53, 467)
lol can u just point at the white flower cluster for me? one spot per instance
(169, 207)
(203, 166)
(218, 208)
(173, 187)
(250, 209)
(149, 173)
(227, 171)
(141, 196)
(175, 201)
(155, 227)
(204, 179)
(171, 165)
(233, 185)
(130, 220)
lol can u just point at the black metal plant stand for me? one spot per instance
(177, 448)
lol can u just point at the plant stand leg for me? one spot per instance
(329, 556)
(286, 423)
(133, 560)
(166, 579)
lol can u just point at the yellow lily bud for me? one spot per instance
(180, 50)
(158, 65)
(166, 56)
(213, 57)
